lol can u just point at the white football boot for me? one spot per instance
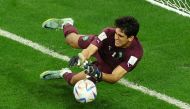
(56, 74)
(55, 23)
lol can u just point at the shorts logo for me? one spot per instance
(84, 38)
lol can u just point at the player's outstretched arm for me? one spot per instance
(83, 56)
(97, 75)
(89, 51)
(116, 75)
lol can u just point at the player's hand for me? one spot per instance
(93, 71)
(77, 60)
(74, 61)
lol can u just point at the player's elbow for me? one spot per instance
(114, 80)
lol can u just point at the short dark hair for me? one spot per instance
(128, 24)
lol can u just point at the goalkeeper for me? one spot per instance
(117, 51)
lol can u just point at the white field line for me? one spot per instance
(124, 82)
(168, 8)
(33, 45)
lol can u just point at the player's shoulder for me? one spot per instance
(109, 30)
(136, 48)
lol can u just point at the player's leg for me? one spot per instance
(77, 77)
(65, 73)
(74, 39)
(71, 35)
(70, 32)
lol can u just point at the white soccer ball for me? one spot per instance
(85, 91)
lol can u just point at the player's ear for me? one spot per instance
(131, 38)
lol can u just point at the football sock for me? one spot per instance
(68, 77)
(68, 28)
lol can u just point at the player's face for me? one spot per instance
(121, 40)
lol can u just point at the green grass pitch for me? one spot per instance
(165, 66)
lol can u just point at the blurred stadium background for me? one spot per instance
(164, 68)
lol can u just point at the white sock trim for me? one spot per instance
(62, 72)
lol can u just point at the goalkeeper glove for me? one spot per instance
(77, 60)
(93, 71)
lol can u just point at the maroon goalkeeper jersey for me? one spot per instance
(109, 56)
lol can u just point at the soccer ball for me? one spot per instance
(85, 91)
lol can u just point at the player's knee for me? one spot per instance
(72, 40)
(72, 44)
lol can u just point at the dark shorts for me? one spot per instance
(84, 42)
